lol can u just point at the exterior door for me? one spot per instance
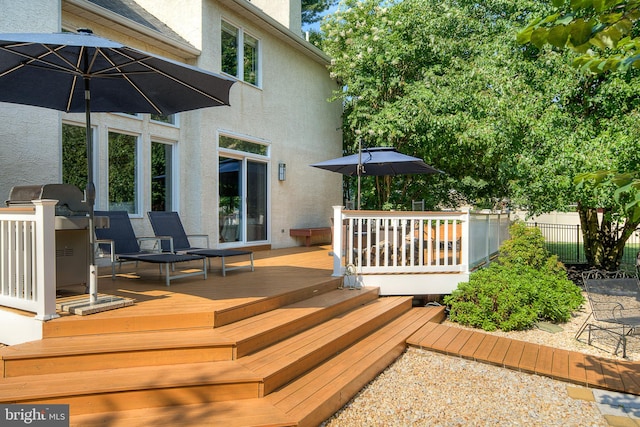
(242, 189)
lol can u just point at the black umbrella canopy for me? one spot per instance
(81, 72)
(50, 70)
(377, 161)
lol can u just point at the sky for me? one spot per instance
(316, 26)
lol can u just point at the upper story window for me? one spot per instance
(240, 54)
(170, 119)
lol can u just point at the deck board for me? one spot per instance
(471, 346)
(576, 370)
(560, 364)
(499, 351)
(512, 358)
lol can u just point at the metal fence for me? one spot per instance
(565, 240)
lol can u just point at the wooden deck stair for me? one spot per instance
(295, 364)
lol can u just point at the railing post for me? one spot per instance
(45, 253)
(337, 241)
(466, 241)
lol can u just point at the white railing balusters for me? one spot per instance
(27, 259)
(416, 242)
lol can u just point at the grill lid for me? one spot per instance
(70, 198)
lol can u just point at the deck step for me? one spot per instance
(305, 401)
(172, 318)
(258, 332)
(284, 361)
(264, 305)
(135, 388)
(112, 351)
(252, 376)
(315, 396)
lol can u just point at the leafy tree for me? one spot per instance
(444, 81)
(509, 123)
(74, 155)
(604, 32)
(312, 9)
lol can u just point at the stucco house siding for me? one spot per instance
(288, 111)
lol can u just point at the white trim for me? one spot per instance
(241, 31)
(245, 156)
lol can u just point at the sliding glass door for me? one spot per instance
(242, 190)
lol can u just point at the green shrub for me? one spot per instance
(525, 284)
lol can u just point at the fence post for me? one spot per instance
(577, 244)
(45, 254)
(337, 241)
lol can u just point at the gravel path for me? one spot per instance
(424, 388)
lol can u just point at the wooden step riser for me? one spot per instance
(113, 360)
(236, 413)
(329, 349)
(155, 398)
(299, 325)
(198, 320)
(235, 314)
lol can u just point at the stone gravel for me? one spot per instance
(426, 388)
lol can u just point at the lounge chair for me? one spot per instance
(169, 224)
(121, 244)
(614, 298)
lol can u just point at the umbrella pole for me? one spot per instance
(90, 196)
(359, 168)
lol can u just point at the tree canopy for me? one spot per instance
(604, 32)
(312, 9)
(447, 81)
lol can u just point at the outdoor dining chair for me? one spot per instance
(169, 224)
(119, 241)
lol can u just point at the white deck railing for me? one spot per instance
(27, 260)
(415, 242)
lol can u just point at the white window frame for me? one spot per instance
(240, 54)
(244, 157)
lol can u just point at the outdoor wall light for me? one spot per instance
(282, 171)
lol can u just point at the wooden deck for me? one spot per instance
(281, 276)
(284, 345)
(569, 366)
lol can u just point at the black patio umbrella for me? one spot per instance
(377, 161)
(81, 73)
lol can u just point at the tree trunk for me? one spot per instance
(604, 239)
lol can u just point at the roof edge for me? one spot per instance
(100, 11)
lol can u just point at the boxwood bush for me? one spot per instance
(524, 285)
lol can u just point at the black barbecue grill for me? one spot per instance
(71, 227)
